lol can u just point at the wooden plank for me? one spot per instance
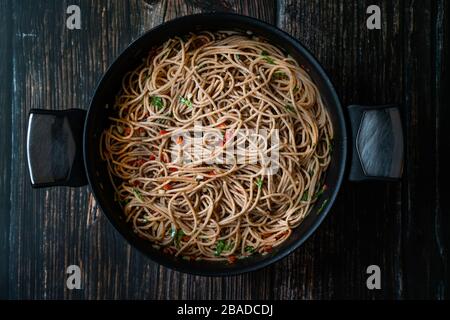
(441, 83)
(366, 67)
(426, 236)
(5, 143)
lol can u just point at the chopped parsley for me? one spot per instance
(219, 247)
(305, 196)
(186, 102)
(289, 108)
(157, 102)
(249, 249)
(177, 235)
(267, 58)
(320, 192)
(324, 203)
(222, 246)
(138, 194)
(259, 183)
(279, 75)
(124, 202)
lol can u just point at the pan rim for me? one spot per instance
(283, 252)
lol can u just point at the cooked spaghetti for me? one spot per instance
(228, 83)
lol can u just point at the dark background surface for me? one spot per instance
(402, 227)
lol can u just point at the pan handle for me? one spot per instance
(55, 148)
(377, 143)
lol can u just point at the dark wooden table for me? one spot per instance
(402, 227)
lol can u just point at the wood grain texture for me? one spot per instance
(5, 143)
(426, 236)
(402, 227)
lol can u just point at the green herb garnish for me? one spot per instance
(296, 89)
(157, 102)
(279, 75)
(305, 196)
(238, 56)
(138, 194)
(249, 249)
(267, 58)
(219, 247)
(289, 108)
(324, 203)
(124, 202)
(222, 246)
(320, 192)
(177, 236)
(186, 102)
(259, 183)
(228, 246)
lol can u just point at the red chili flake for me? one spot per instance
(173, 169)
(136, 183)
(139, 162)
(267, 249)
(127, 131)
(228, 135)
(163, 132)
(167, 186)
(222, 125)
(212, 173)
(180, 140)
(232, 259)
(185, 238)
(152, 157)
(140, 130)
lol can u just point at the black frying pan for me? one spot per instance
(62, 146)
